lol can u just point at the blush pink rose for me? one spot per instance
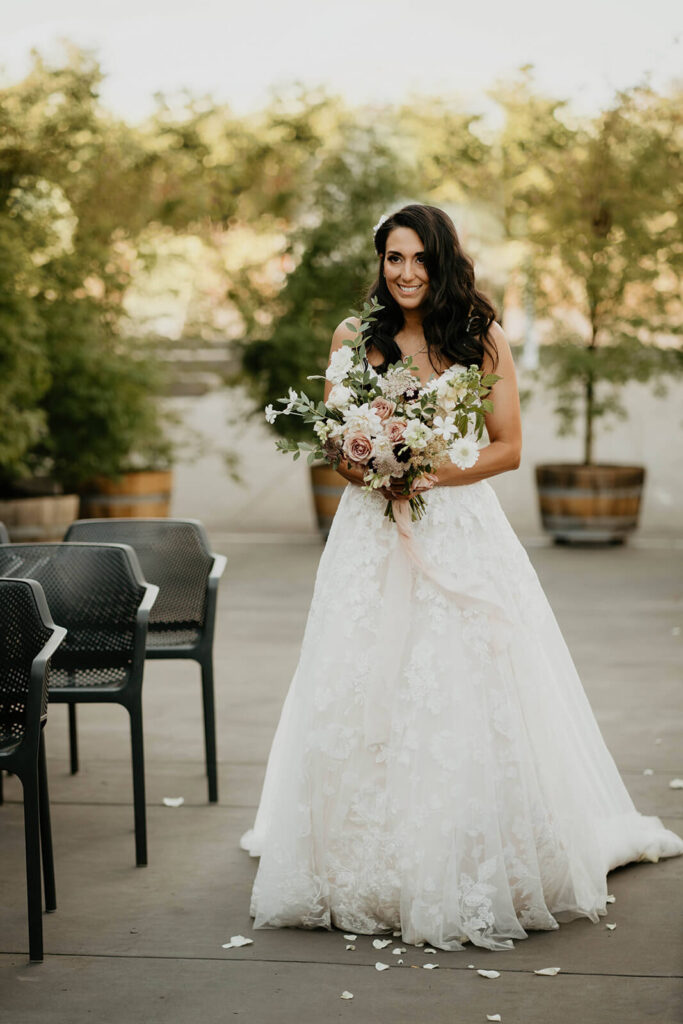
(383, 407)
(423, 483)
(358, 447)
(395, 431)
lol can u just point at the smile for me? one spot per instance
(413, 288)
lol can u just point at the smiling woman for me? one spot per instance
(437, 768)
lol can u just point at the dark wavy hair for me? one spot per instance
(456, 315)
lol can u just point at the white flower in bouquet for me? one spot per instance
(341, 362)
(361, 419)
(322, 429)
(464, 452)
(293, 399)
(271, 414)
(339, 397)
(418, 434)
(396, 380)
(444, 426)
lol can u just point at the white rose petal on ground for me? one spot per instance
(379, 966)
(419, 944)
(237, 940)
(399, 950)
(611, 927)
(351, 937)
(346, 995)
(610, 898)
(493, 1016)
(549, 971)
(489, 974)
(676, 784)
(399, 961)
(173, 801)
(397, 935)
(428, 949)
(429, 967)
(381, 943)
(352, 947)
(648, 771)
(470, 967)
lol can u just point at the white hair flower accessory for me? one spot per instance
(378, 225)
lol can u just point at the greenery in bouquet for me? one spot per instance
(393, 426)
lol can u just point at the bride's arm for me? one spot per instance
(504, 424)
(354, 474)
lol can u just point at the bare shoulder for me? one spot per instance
(343, 332)
(505, 364)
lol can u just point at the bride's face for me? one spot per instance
(404, 269)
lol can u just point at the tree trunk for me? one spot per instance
(590, 404)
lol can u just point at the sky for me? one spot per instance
(364, 49)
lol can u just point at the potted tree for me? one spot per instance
(332, 259)
(604, 230)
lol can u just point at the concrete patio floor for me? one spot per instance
(134, 945)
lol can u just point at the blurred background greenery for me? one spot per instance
(155, 258)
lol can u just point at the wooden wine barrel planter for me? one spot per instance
(328, 486)
(589, 504)
(40, 518)
(139, 495)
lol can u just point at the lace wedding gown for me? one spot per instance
(437, 767)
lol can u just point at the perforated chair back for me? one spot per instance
(176, 555)
(25, 629)
(95, 591)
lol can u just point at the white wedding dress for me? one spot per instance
(437, 768)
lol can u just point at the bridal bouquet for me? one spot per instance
(393, 426)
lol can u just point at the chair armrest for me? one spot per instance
(151, 594)
(218, 567)
(39, 667)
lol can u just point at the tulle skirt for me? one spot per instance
(437, 768)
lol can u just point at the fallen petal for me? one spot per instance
(379, 966)
(347, 995)
(430, 967)
(399, 950)
(350, 947)
(548, 970)
(676, 784)
(471, 967)
(489, 974)
(610, 898)
(399, 961)
(173, 801)
(648, 771)
(419, 943)
(381, 943)
(239, 940)
(610, 926)
(350, 937)
(493, 1016)
(397, 935)
(428, 949)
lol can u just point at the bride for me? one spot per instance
(437, 768)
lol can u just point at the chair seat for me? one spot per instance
(102, 677)
(172, 637)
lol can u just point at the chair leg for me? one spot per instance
(209, 727)
(46, 830)
(2, 797)
(138, 758)
(73, 739)
(33, 885)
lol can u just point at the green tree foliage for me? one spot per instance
(604, 227)
(334, 261)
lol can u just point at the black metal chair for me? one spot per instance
(4, 535)
(99, 593)
(28, 640)
(176, 555)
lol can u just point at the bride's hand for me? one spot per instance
(395, 491)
